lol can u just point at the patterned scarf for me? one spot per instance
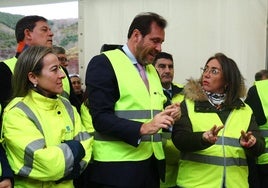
(216, 99)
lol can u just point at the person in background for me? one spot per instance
(164, 65)
(217, 129)
(49, 147)
(29, 31)
(257, 100)
(261, 75)
(68, 91)
(126, 105)
(83, 180)
(77, 86)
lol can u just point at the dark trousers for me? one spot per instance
(263, 175)
(142, 174)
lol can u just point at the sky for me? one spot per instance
(49, 11)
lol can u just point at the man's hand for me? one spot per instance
(176, 113)
(161, 120)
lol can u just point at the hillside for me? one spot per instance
(65, 35)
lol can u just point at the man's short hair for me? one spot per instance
(143, 22)
(27, 22)
(262, 74)
(164, 55)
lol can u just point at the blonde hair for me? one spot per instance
(30, 60)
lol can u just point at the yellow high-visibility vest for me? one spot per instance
(135, 103)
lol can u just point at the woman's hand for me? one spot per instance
(247, 140)
(211, 136)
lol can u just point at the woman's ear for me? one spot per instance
(33, 78)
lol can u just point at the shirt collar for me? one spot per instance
(129, 54)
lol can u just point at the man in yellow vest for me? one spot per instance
(68, 91)
(30, 30)
(257, 100)
(165, 67)
(127, 110)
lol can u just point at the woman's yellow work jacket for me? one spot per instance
(222, 163)
(34, 130)
(262, 90)
(135, 103)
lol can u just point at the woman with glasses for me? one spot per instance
(216, 131)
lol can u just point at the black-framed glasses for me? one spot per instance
(213, 70)
(62, 59)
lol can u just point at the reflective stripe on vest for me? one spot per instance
(145, 138)
(39, 144)
(264, 133)
(217, 160)
(262, 89)
(136, 114)
(166, 135)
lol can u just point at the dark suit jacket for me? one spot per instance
(5, 84)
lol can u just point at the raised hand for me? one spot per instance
(247, 139)
(161, 120)
(211, 135)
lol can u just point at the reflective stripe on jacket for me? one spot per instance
(135, 103)
(262, 90)
(223, 163)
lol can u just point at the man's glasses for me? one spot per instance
(62, 59)
(213, 70)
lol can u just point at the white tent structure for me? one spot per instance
(196, 30)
